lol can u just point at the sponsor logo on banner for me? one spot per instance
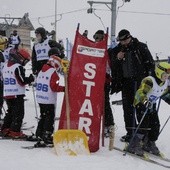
(95, 52)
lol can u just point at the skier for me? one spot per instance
(15, 40)
(151, 88)
(4, 56)
(47, 84)
(14, 82)
(41, 48)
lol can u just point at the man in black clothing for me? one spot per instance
(131, 61)
(41, 49)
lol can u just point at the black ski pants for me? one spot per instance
(15, 114)
(150, 125)
(129, 88)
(109, 120)
(46, 122)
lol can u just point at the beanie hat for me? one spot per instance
(99, 33)
(123, 35)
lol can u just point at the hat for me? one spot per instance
(99, 34)
(123, 35)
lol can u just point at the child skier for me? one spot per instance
(151, 88)
(14, 82)
(47, 84)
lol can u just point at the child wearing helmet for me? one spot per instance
(151, 89)
(14, 81)
(47, 86)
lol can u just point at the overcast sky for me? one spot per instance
(148, 20)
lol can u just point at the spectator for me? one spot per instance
(131, 61)
(109, 121)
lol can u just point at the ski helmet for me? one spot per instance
(162, 67)
(41, 31)
(3, 42)
(54, 51)
(20, 56)
(55, 62)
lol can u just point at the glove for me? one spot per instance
(65, 65)
(31, 78)
(148, 104)
(116, 86)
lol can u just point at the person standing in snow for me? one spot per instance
(4, 56)
(131, 61)
(41, 48)
(151, 89)
(14, 81)
(47, 86)
(15, 40)
(109, 120)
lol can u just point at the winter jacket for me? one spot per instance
(145, 87)
(37, 65)
(136, 64)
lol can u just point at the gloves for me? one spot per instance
(116, 86)
(65, 65)
(31, 78)
(148, 104)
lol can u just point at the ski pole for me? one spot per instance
(36, 112)
(136, 131)
(158, 104)
(164, 125)
(4, 109)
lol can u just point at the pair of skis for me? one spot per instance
(149, 158)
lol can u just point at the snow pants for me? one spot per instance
(15, 114)
(46, 122)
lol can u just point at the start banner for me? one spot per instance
(86, 79)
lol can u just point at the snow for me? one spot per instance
(13, 157)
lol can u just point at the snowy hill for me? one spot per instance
(13, 157)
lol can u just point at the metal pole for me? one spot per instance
(113, 19)
(55, 22)
(113, 15)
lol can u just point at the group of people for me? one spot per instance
(47, 56)
(131, 70)
(141, 82)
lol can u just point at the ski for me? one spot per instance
(117, 102)
(9, 138)
(27, 128)
(161, 156)
(34, 147)
(144, 158)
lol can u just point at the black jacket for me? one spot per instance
(37, 65)
(140, 61)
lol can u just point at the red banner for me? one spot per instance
(86, 80)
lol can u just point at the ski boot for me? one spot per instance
(125, 138)
(150, 146)
(135, 146)
(32, 138)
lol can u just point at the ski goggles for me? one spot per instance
(166, 70)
